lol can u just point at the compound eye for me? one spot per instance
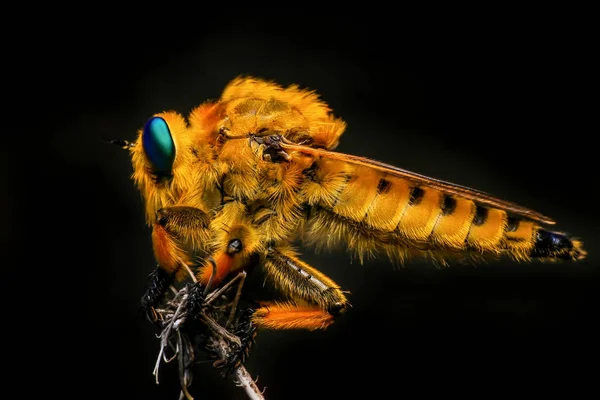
(158, 145)
(235, 246)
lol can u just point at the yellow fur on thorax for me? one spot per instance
(280, 184)
(303, 110)
(242, 178)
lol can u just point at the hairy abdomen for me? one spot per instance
(374, 212)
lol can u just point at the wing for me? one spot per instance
(447, 188)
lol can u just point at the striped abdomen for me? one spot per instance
(376, 211)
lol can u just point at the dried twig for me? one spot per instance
(217, 293)
(176, 336)
(242, 377)
(219, 330)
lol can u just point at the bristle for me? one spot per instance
(303, 110)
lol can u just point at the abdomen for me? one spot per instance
(374, 212)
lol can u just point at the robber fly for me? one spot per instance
(244, 177)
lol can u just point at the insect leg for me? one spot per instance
(245, 330)
(179, 235)
(290, 315)
(158, 282)
(317, 299)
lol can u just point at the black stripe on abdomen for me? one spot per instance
(481, 215)
(416, 195)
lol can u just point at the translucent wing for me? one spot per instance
(477, 196)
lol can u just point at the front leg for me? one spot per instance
(158, 282)
(316, 299)
(178, 233)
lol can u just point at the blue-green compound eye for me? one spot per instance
(158, 145)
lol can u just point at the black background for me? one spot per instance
(497, 101)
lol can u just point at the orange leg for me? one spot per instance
(178, 235)
(315, 299)
(291, 316)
